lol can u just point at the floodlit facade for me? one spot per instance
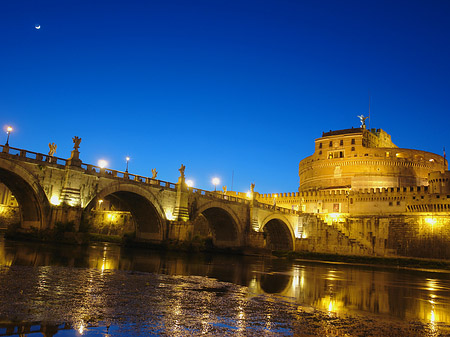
(359, 158)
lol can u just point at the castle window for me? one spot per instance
(398, 203)
(335, 154)
(331, 143)
(390, 203)
(320, 152)
(320, 145)
(353, 141)
(341, 142)
(353, 148)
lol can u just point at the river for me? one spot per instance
(107, 290)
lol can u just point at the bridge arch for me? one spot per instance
(279, 233)
(223, 223)
(33, 202)
(147, 212)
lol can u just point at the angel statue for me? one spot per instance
(181, 169)
(52, 147)
(362, 119)
(76, 142)
(154, 173)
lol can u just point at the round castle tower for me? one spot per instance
(359, 158)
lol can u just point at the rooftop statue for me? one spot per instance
(52, 147)
(362, 119)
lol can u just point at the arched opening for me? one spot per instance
(217, 224)
(122, 212)
(274, 283)
(33, 206)
(9, 208)
(278, 236)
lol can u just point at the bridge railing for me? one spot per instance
(30, 155)
(218, 195)
(93, 169)
(278, 208)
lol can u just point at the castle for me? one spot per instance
(360, 190)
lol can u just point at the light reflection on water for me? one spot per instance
(338, 290)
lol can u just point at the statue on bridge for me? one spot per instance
(76, 143)
(154, 173)
(252, 187)
(224, 190)
(181, 169)
(52, 147)
(74, 159)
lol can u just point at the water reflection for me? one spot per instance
(336, 289)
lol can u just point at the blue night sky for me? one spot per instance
(221, 86)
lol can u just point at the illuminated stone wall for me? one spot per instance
(110, 222)
(359, 158)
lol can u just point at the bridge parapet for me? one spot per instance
(26, 155)
(218, 195)
(278, 208)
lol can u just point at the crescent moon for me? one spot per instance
(37, 27)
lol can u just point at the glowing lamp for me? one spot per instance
(8, 131)
(215, 181)
(54, 200)
(127, 159)
(102, 163)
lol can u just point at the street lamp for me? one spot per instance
(215, 181)
(8, 131)
(189, 183)
(128, 159)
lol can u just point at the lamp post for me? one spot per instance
(8, 131)
(215, 181)
(128, 159)
(189, 183)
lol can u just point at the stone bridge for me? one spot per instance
(50, 190)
